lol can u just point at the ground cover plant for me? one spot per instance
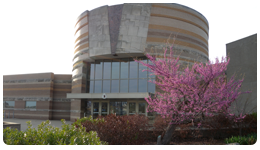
(191, 94)
(49, 135)
(117, 130)
(249, 139)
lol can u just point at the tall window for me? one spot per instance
(118, 76)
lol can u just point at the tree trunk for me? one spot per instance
(168, 134)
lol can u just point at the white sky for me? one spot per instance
(37, 36)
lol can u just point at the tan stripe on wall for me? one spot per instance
(163, 40)
(80, 19)
(177, 18)
(81, 47)
(161, 27)
(81, 36)
(82, 41)
(78, 85)
(77, 63)
(178, 36)
(167, 7)
(81, 27)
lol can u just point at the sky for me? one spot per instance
(38, 36)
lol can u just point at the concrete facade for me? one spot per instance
(243, 63)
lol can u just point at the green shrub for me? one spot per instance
(49, 135)
(254, 115)
(243, 140)
(117, 130)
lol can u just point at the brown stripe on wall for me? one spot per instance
(81, 47)
(26, 89)
(28, 85)
(32, 115)
(61, 115)
(178, 53)
(62, 77)
(167, 7)
(67, 90)
(62, 86)
(167, 28)
(61, 106)
(81, 19)
(163, 40)
(42, 93)
(81, 27)
(81, 36)
(43, 105)
(60, 94)
(20, 104)
(28, 76)
(177, 18)
(166, 35)
(183, 59)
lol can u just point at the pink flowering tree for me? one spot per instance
(190, 93)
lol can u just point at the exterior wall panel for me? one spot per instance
(243, 63)
(42, 88)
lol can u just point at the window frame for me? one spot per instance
(26, 107)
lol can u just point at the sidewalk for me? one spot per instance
(35, 123)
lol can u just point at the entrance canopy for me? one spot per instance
(107, 95)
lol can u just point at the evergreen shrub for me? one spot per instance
(49, 135)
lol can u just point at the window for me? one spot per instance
(120, 75)
(8, 104)
(132, 110)
(141, 108)
(30, 104)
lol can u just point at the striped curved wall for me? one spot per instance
(189, 27)
(128, 30)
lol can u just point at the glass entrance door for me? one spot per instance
(104, 108)
(118, 108)
(95, 109)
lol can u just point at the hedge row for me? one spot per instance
(48, 135)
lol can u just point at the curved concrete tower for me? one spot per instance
(110, 34)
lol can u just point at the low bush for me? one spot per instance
(250, 139)
(49, 135)
(117, 130)
(160, 124)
